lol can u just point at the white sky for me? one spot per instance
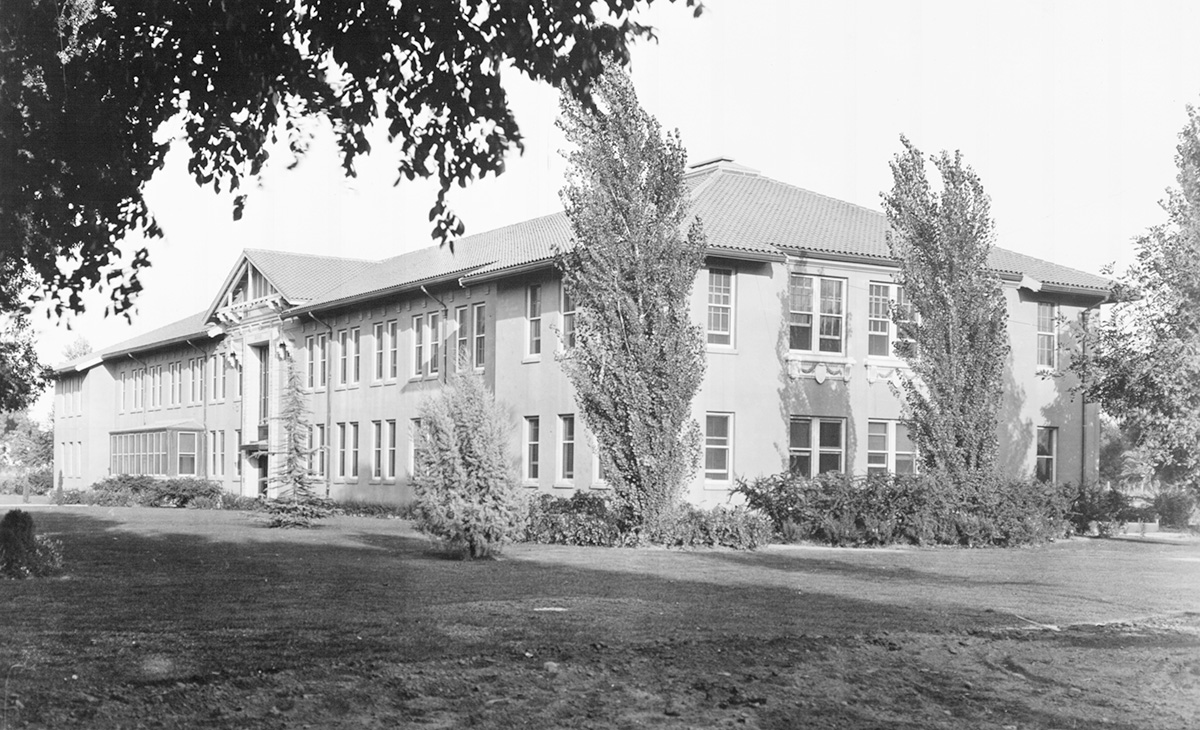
(1069, 112)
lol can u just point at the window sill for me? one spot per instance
(720, 350)
(718, 484)
(885, 361)
(831, 358)
(564, 485)
(531, 359)
(1047, 372)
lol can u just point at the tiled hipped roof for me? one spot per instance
(743, 213)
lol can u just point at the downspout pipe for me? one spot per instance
(328, 404)
(203, 402)
(1083, 424)
(441, 345)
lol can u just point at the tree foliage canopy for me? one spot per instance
(638, 359)
(955, 337)
(1143, 361)
(85, 86)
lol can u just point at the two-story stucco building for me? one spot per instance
(793, 300)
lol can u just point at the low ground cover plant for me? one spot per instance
(23, 554)
(40, 481)
(145, 491)
(923, 509)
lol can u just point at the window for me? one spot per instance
(137, 453)
(139, 388)
(377, 449)
(889, 448)
(237, 458)
(354, 450)
(462, 333)
(566, 439)
(123, 398)
(827, 296)
(393, 345)
(217, 364)
(156, 387)
(880, 336)
(533, 446)
(377, 342)
(1047, 336)
(1047, 450)
(390, 458)
(310, 349)
(435, 343)
(194, 379)
(341, 450)
(720, 306)
(418, 329)
(355, 369)
(827, 453)
(343, 357)
(480, 336)
(321, 355)
(718, 442)
(414, 446)
(533, 320)
(187, 453)
(217, 449)
(568, 319)
(174, 383)
(322, 447)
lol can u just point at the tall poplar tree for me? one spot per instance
(1143, 361)
(955, 338)
(637, 358)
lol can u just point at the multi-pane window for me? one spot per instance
(462, 338)
(123, 395)
(341, 450)
(566, 440)
(237, 457)
(194, 379)
(1047, 451)
(435, 343)
(139, 386)
(355, 363)
(377, 449)
(217, 448)
(217, 364)
(322, 449)
(533, 446)
(819, 301)
(393, 346)
(816, 442)
(533, 320)
(568, 319)
(418, 330)
(880, 336)
(390, 455)
(480, 335)
(718, 446)
(354, 450)
(310, 350)
(1047, 336)
(174, 384)
(156, 386)
(188, 452)
(380, 350)
(720, 306)
(343, 357)
(889, 448)
(318, 351)
(137, 453)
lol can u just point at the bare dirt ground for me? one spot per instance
(179, 618)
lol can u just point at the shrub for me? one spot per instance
(1174, 507)
(1095, 503)
(127, 490)
(358, 508)
(22, 553)
(40, 481)
(296, 512)
(581, 519)
(921, 509)
(466, 493)
(733, 527)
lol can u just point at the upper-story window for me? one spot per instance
(462, 338)
(720, 306)
(379, 349)
(881, 331)
(355, 355)
(435, 343)
(568, 319)
(819, 301)
(1047, 335)
(139, 388)
(418, 330)
(175, 378)
(317, 347)
(393, 343)
(533, 320)
(348, 358)
(480, 335)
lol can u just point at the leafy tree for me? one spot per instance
(1143, 361)
(27, 442)
(85, 87)
(466, 492)
(638, 358)
(77, 349)
(954, 338)
(22, 376)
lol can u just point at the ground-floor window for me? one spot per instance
(188, 451)
(566, 439)
(816, 445)
(889, 448)
(138, 453)
(718, 446)
(533, 446)
(1047, 453)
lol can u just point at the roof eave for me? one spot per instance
(493, 275)
(404, 288)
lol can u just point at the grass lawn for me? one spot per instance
(199, 619)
